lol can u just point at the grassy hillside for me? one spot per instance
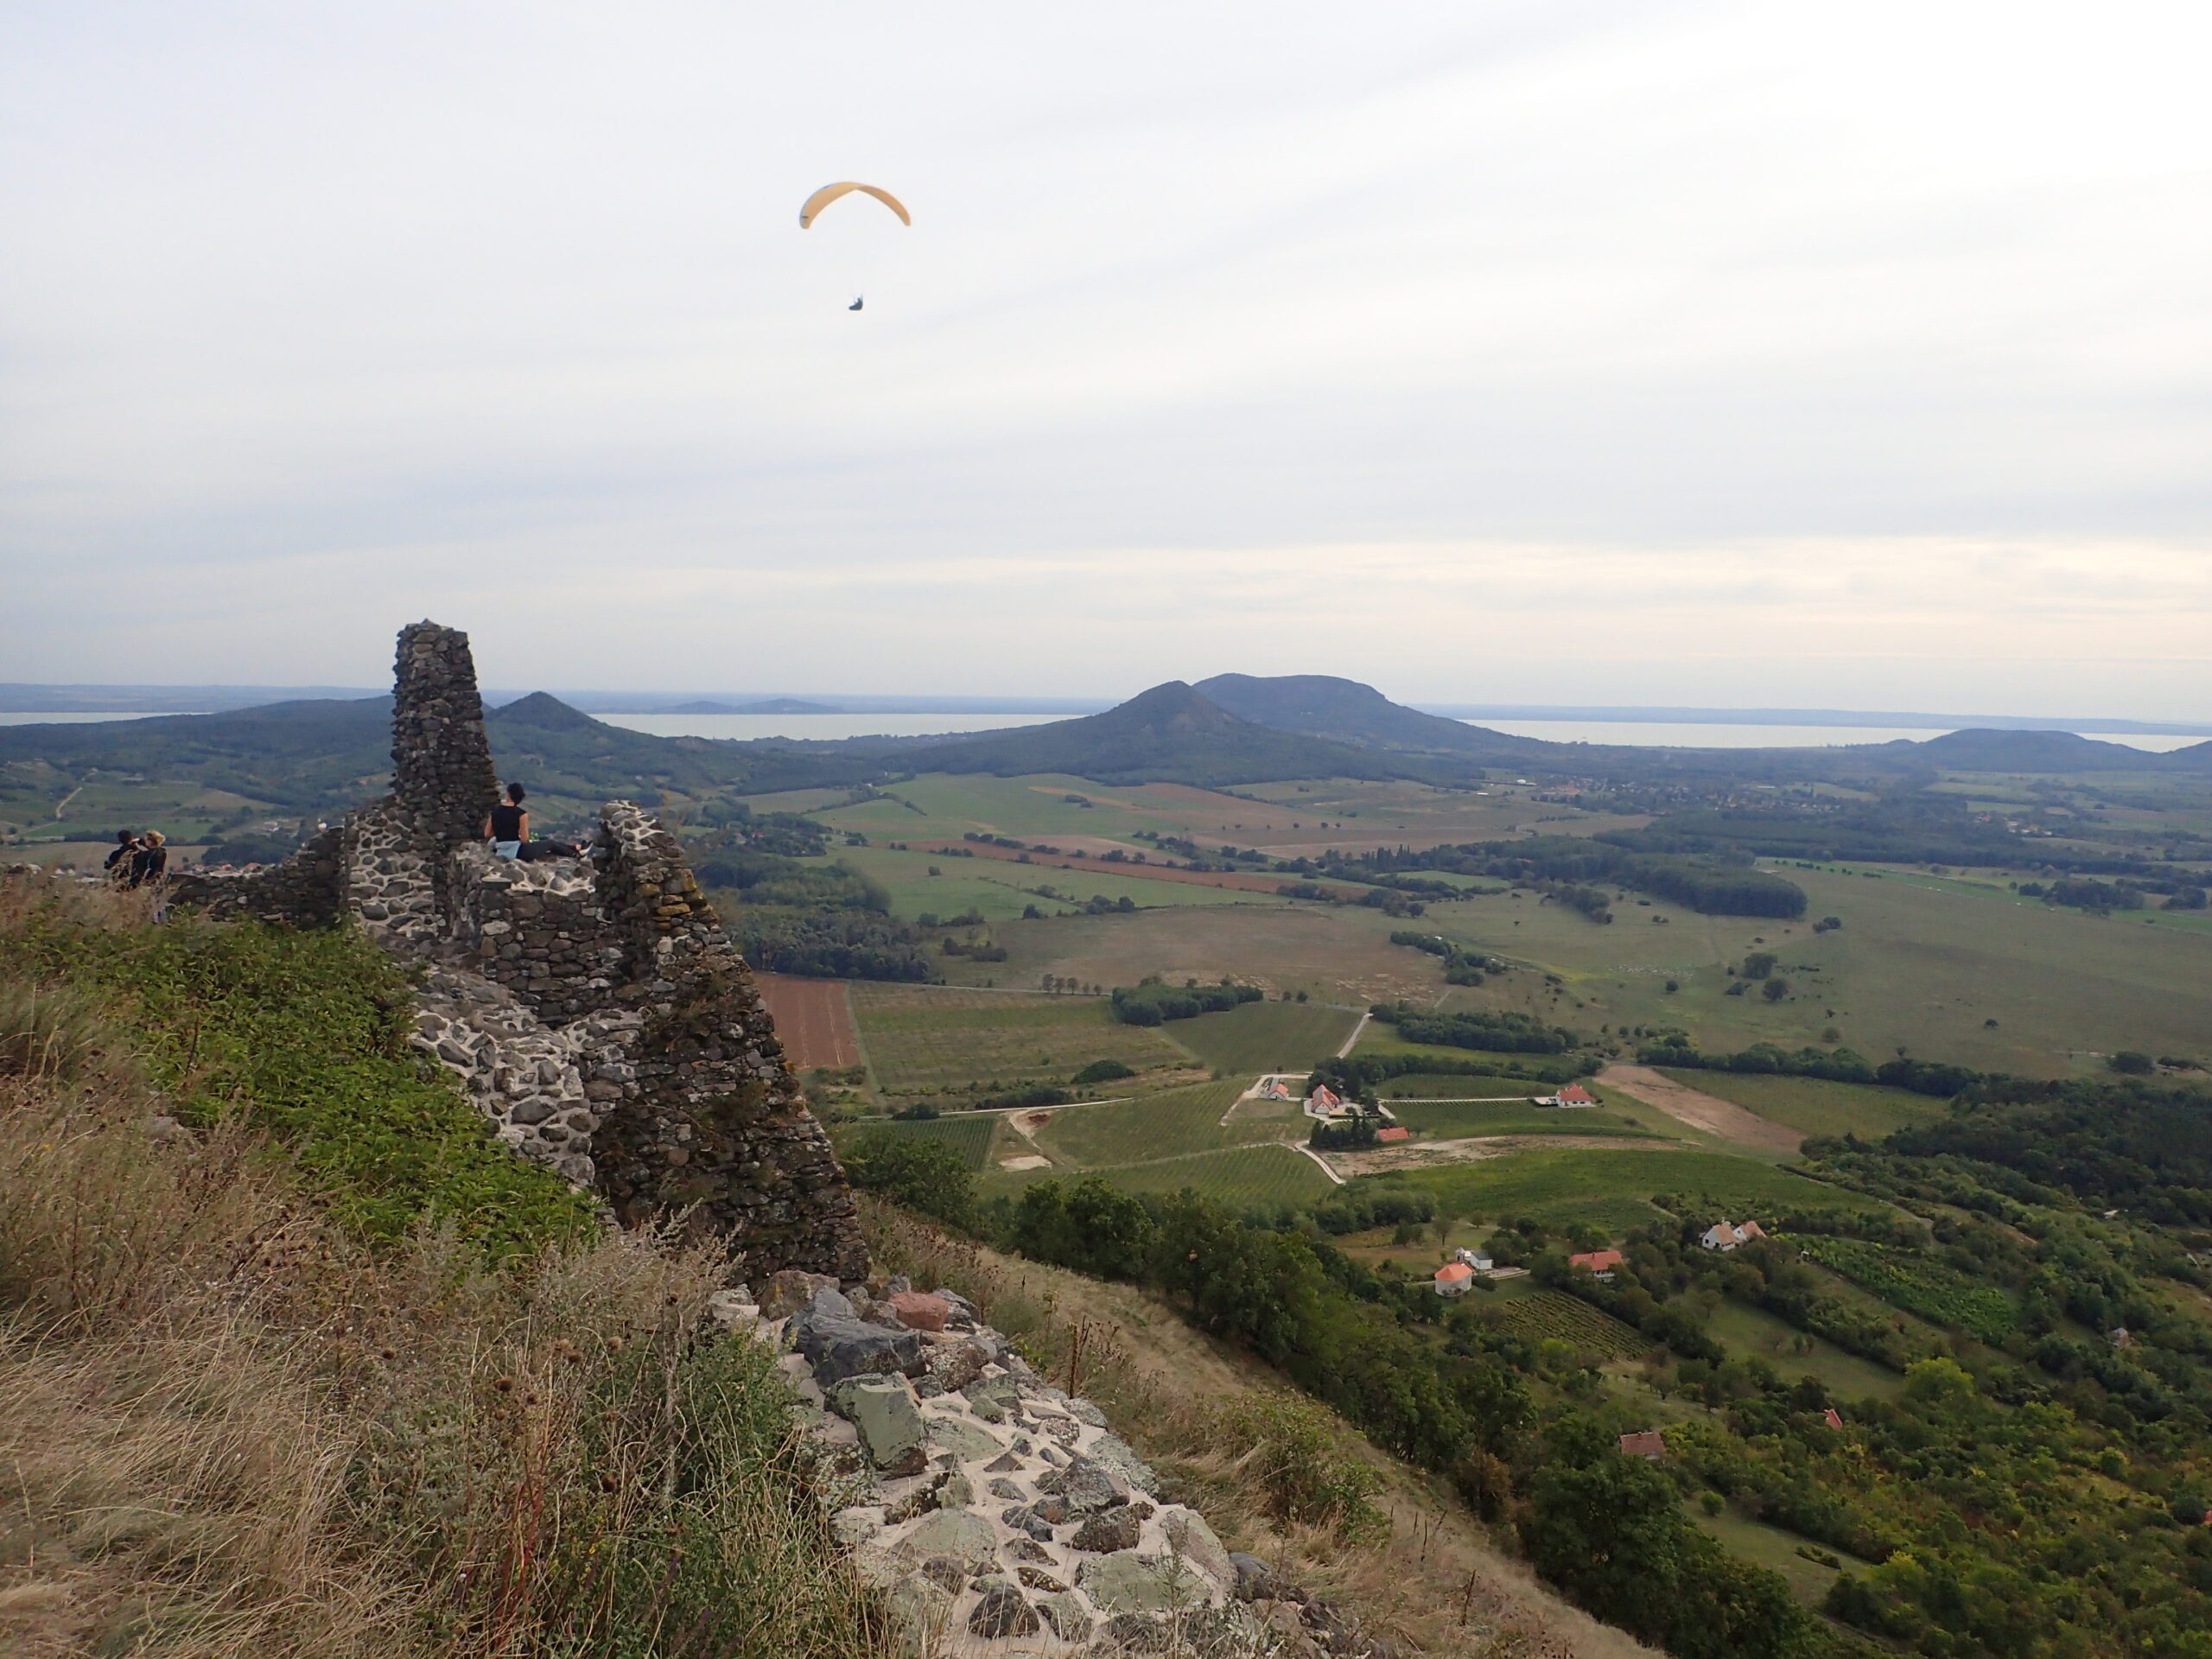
(259, 1395)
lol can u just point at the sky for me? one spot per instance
(1725, 354)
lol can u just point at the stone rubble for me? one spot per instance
(1002, 1517)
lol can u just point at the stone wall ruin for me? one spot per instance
(593, 1008)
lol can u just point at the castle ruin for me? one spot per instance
(592, 1008)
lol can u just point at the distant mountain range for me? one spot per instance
(319, 755)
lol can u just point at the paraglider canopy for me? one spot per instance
(829, 192)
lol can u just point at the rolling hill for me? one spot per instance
(1171, 734)
(1345, 711)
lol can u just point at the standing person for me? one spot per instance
(149, 869)
(506, 826)
(119, 861)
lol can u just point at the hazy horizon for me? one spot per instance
(1701, 354)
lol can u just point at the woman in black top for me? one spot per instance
(508, 825)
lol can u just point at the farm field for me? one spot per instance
(1452, 1121)
(972, 1134)
(1612, 1187)
(813, 1020)
(1285, 819)
(926, 1041)
(1913, 963)
(1254, 1177)
(1814, 1106)
(1265, 1036)
(1334, 953)
(1754, 1331)
(1000, 889)
(1553, 1315)
(1444, 1086)
(1165, 1125)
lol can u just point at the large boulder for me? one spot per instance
(1126, 1582)
(838, 1345)
(960, 1534)
(1189, 1536)
(919, 1311)
(890, 1424)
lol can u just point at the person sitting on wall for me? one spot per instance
(506, 826)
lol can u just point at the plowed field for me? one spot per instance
(814, 1019)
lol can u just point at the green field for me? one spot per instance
(1265, 1036)
(1165, 1125)
(924, 1040)
(1254, 1176)
(970, 1132)
(1754, 1331)
(1001, 890)
(1926, 962)
(1777, 1550)
(1815, 1105)
(1612, 1187)
(1458, 1121)
(1438, 1086)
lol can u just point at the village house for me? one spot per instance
(1601, 1263)
(1726, 1237)
(1573, 1095)
(1453, 1279)
(1478, 1260)
(1647, 1443)
(1396, 1131)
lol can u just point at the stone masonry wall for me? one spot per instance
(441, 771)
(593, 1008)
(713, 1121)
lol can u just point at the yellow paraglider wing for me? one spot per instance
(829, 192)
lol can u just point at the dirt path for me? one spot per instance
(1716, 1117)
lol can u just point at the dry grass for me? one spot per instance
(228, 1427)
(1275, 1473)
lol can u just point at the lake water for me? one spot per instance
(1635, 733)
(39, 719)
(825, 727)
(1703, 735)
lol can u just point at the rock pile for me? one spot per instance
(998, 1512)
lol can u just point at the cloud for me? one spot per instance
(1665, 332)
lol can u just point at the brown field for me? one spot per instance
(814, 1019)
(1336, 954)
(1239, 883)
(1700, 1110)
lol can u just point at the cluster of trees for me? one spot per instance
(1353, 1135)
(1707, 885)
(829, 944)
(1840, 1064)
(1151, 1002)
(1500, 1032)
(2131, 1145)
(1461, 965)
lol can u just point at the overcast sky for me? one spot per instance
(1731, 353)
